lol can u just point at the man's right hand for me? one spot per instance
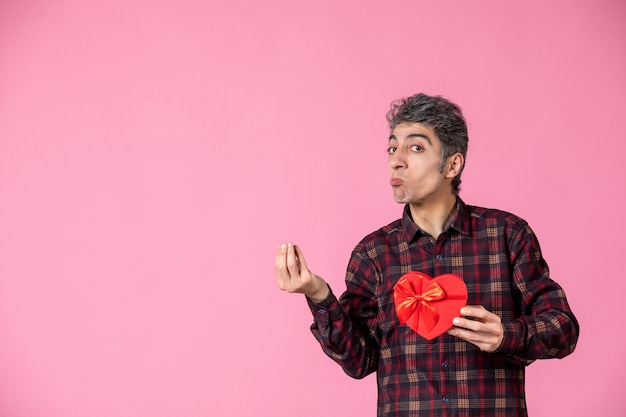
(293, 275)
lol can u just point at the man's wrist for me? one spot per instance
(320, 295)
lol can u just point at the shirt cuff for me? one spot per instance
(322, 310)
(512, 341)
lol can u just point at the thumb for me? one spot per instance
(301, 260)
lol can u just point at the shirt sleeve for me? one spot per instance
(546, 327)
(346, 328)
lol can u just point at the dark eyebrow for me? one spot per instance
(413, 135)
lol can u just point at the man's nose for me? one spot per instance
(396, 160)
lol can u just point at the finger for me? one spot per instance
(486, 343)
(477, 312)
(281, 257)
(300, 257)
(481, 314)
(280, 267)
(467, 324)
(475, 337)
(293, 266)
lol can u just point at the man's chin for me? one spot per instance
(400, 199)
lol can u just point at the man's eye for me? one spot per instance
(391, 150)
(416, 148)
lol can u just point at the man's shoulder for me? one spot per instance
(494, 216)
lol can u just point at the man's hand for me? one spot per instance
(483, 328)
(293, 275)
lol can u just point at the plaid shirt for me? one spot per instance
(498, 257)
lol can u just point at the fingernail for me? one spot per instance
(456, 321)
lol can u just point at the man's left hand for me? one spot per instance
(480, 327)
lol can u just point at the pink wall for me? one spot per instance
(153, 154)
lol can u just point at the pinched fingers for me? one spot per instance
(287, 268)
(293, 262)
(292, 274)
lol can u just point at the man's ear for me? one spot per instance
(454, 165)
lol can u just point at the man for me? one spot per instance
(515, 312)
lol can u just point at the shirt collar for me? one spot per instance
(460, 221)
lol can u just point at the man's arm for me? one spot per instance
(544, 328)
(345, 337)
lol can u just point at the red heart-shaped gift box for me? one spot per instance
(428, 305)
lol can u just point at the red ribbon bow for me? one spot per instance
(412, 302)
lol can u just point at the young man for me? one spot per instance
(515, 312)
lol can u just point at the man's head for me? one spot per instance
(439, 114)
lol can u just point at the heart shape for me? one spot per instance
(428, 305)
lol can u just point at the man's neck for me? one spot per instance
(434, 218)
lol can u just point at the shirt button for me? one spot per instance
(445, 399)
(444, 365)
(321, 311)
(438, 257)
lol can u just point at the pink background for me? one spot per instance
(153, 154)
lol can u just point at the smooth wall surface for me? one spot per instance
(153, 155)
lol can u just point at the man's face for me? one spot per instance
(414, 162)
